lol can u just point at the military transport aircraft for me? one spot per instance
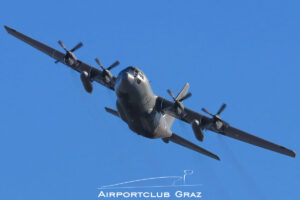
(146, 113)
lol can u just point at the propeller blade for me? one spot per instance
(113, 65)
(62, 45)
(171, 94)
(206, 111)
(221, 109)
(77, 47)
(179, 110)
(180, 105)
(185, 97)
(99, 63)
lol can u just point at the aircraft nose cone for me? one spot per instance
(124, 81)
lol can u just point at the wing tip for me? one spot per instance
(288, 152)
(214, 156)
(293, 154)
(9, 30)
(6, 28)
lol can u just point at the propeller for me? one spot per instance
(178, 102)
(69, 53)
(217, 115)
(107, 70)
(72, 50)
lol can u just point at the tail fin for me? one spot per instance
(112, 111)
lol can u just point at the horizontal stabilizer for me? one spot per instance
(183, 142)
(111, 111)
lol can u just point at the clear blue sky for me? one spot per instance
(57, 142)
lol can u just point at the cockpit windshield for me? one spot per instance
(136, 72)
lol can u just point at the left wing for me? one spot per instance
(219, 126)
(79, 66)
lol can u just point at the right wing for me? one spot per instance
(97, 75)
(221, 128)
(183, 142)
(251, 139)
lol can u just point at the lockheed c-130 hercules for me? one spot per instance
(146, 113)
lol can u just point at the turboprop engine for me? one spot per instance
(197, 130)
(86, 82)
(69, 58)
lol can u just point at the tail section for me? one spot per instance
(183, 142)
(112, 111)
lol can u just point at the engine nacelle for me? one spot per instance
(197, 130)
(87, 84)
(70, 58)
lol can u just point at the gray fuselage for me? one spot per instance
(136, 105)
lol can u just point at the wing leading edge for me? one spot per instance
(79, 66)
(251, 139)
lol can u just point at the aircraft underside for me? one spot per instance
(145, 113)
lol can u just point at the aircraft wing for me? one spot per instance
(251, 139)
(59, 56)
(221, 127)
(189, 115)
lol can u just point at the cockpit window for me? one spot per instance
(134, 71)
(141, 75)
(131, 68)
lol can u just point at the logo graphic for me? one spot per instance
(174, 181)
